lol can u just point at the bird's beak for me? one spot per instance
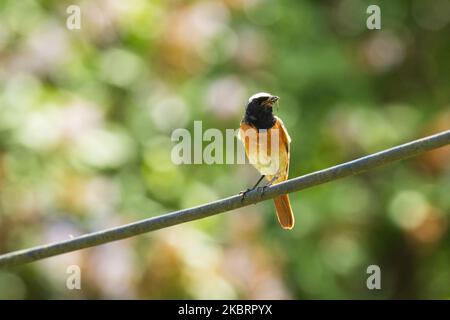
(274, 99)
(270, 101)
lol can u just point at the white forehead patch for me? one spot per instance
(259, 95)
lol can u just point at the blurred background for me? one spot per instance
(86, 118)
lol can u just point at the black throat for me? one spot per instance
(259, 117)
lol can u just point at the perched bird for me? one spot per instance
(267, 144)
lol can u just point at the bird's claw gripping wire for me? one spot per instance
(262, 190)
(244, 193)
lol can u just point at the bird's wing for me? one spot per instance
(285, 141)
(283, 129)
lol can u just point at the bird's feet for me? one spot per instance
(243, 194)
(262, 190)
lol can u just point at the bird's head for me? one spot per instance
(261, 100)
(259, 110)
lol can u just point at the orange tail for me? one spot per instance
(284, 211)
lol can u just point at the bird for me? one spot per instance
(269, 156)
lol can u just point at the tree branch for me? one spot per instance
(350, 168)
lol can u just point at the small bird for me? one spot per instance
(256, 130)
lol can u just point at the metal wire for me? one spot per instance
(354, 167)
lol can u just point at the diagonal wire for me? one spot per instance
(350, 168)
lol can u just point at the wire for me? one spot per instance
(350, 168)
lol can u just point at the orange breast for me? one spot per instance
(267, 150)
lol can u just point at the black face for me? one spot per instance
(259, 112)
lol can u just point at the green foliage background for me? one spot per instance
(86, 118)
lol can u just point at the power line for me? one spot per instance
(350, 168)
